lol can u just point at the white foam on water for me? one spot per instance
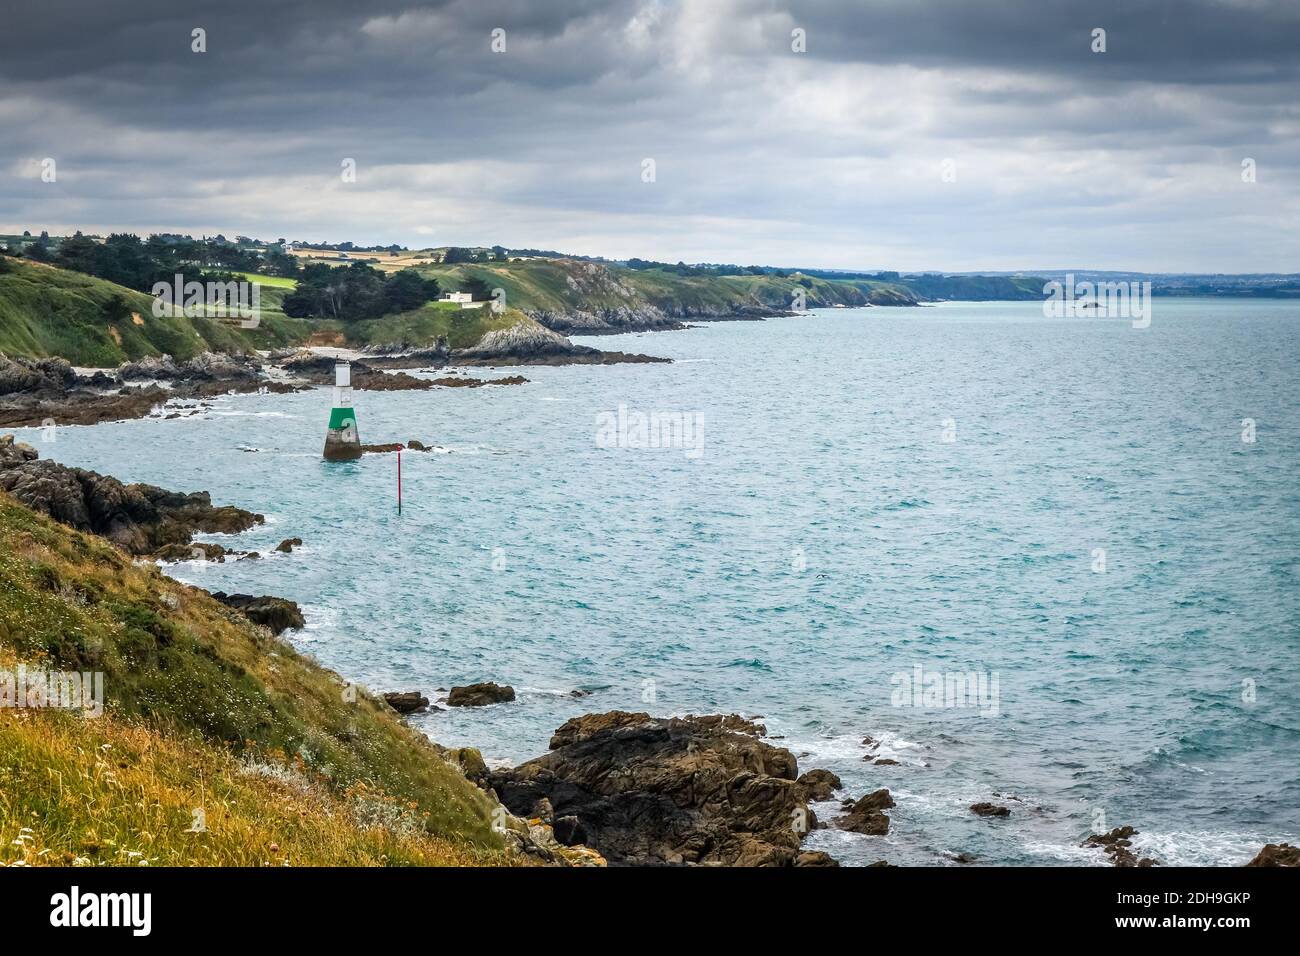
(243, 414)
(545, 691)
(1067, 853)
(1200, 847)
(320, 620)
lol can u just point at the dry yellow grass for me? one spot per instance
(82, 792)
(206, 711)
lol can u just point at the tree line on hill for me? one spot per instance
(357, 291)
(138, 263)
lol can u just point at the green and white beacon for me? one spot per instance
(342, 443)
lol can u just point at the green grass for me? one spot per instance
(201, 706)
(45, 311)
(424, 326)
(277, 282)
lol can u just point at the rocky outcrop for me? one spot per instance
(140, 519)
(288, 544)
(607, 321)
(480, 695)
(819, 785)
(989, 810)
(866, 815)
(406, 701)
(274, 613)
(367, 376)
(36, 392)
(150, 368)
(401, 355)
(529, 343)
(1277, 854)
(1118, 846)
(205, 367)
(35, 375)
(649, 790)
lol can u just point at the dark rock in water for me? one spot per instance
(880, 863)
(479, 382)
(194, 551)
(651, 790)
(883, 761)
(819, 785)
(390, 447)
(275, 613)
(570, 831)
(1117, 845)
(866, 815)
(1277, 854)
(288, 544)
(480, 695)
(963, 858)
(989, 810)
(140, 519)
(406, 701)
(815, 858)
(368, 381)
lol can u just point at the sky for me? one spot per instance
(878, 134)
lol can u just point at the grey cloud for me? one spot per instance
(817, 158)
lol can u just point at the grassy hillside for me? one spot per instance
(976, 288)
(203, 711)
(558, 287)
(45, 311)
(425, 325)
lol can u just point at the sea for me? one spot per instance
(965, 552)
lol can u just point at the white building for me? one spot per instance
(465, 300)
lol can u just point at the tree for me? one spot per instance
(408, 290)
(78, 253)
(478, 289)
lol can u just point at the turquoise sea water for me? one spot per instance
(826, 540)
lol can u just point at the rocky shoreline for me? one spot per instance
(624, 788)
(43, 392)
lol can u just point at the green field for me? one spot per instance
(274, 282)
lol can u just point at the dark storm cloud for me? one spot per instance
(1187, 41)
(832, 156)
